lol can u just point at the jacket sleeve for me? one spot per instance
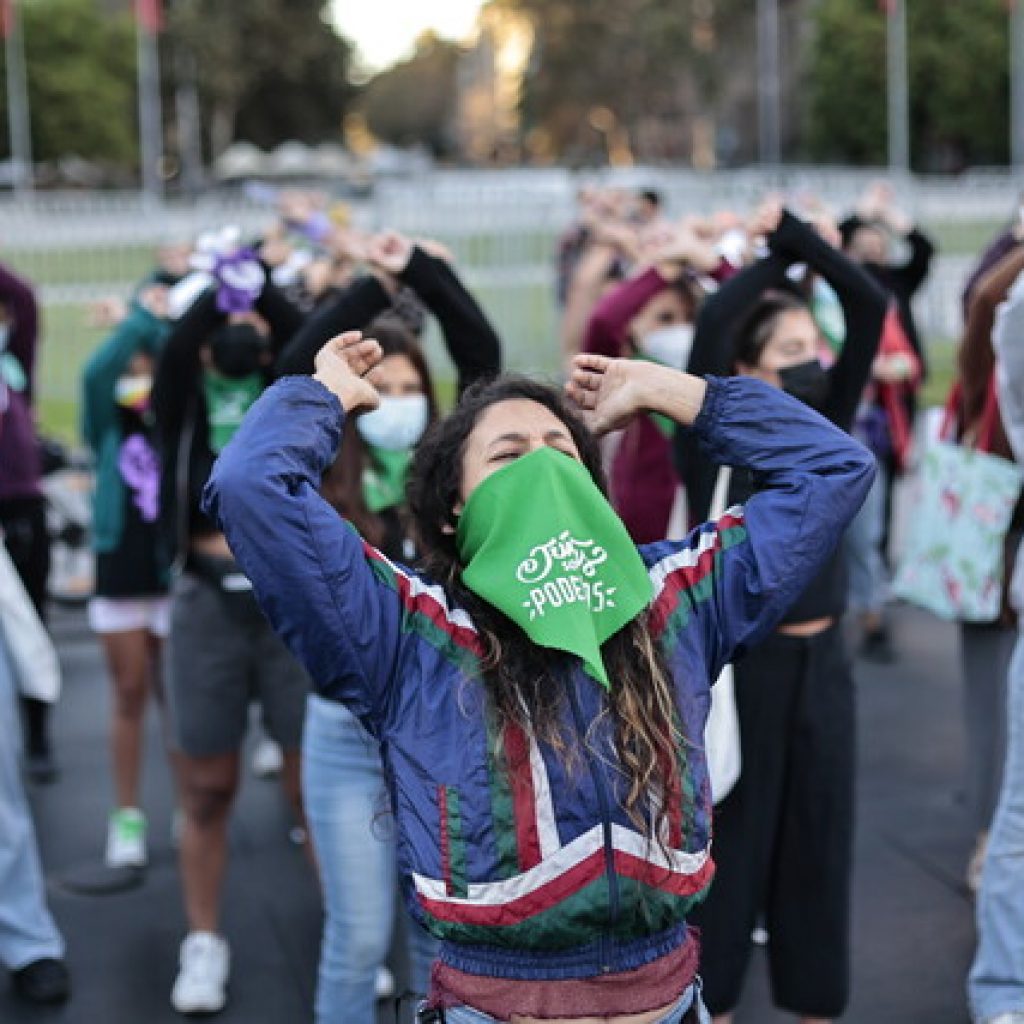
(469, 336)
(320, 586)
(864, 306)
(739, 576)
(912, 274)
(1008, 342)
(140, 331)
(352, 310)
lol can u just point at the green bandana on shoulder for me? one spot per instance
(384, 478)
(228, 399)
(540, 542)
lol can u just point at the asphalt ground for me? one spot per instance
(913, 916)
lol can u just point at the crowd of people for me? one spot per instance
(498, 626)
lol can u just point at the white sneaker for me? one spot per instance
(126, 839)
(205, 963)
(267, 758)
(384, 983)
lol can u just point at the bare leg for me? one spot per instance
(128, 660)
(292, 786)
(208, 786)
(155, 646)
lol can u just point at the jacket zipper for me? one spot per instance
(606, 826)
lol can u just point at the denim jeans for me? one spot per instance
(996, 982)
(467, 1015)
(354, 836)
(863, 548)
(27, 929)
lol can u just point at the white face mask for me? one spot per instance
(399, 422)
(669, 346)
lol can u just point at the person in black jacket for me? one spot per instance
(342, 776)
(783, 835)
(222, 652)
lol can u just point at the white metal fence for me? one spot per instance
(502, 226)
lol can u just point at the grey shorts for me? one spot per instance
(217, 664)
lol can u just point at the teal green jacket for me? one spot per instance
(140, 331)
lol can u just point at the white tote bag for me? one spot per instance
(33, 658)
(722, 729)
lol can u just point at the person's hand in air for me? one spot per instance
(342, 365)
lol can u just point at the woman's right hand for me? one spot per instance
(342, 365)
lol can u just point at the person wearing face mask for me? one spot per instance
(783, 835)
(222, 654)
(342, 777)
(537, 687)
(130, 611)
(650, 316)
(22, 506)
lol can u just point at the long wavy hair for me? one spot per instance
(525, 681)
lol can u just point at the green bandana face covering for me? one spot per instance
(228, 399)
(384, 478)
(541, 543)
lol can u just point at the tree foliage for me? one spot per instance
(958, 79)
(268, 70)
(642, 60)
(414, 101)
(81, 81)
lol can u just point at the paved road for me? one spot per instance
(912, 921)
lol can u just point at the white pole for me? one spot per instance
(769, 115)
(899, 109)
(17, 103)
(150, 117)
(1017, 85)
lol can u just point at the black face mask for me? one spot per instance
(808, 382)
(237, 350)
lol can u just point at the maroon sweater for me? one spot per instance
(643, 479)
(20, 465)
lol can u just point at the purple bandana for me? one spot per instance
(240, 279)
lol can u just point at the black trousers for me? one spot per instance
(782, 839)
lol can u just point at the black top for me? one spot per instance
(864, 306)
(469, 337)
(180, 406)
(902, 281)
(137, 567)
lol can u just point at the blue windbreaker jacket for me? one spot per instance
(536, 872)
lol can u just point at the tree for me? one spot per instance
(958, 78)
(603, 70)
(414, 101)
(81, 81)
(268, 70)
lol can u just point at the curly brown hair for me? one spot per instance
(527, 682)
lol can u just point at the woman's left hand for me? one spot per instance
(610, 392)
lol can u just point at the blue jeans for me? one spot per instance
(467, 1015)
(27, 929)
(996, 982)
(354, 836)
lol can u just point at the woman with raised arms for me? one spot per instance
(540, 690)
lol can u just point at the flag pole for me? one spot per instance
(1017, 85)
(147, 20)
(898, 91)
(18, 123)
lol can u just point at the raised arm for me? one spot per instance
(741, 574)
(352, 310)
(19, 298)
(469, 336)
(140, 331)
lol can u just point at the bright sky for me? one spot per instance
(385, 30)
